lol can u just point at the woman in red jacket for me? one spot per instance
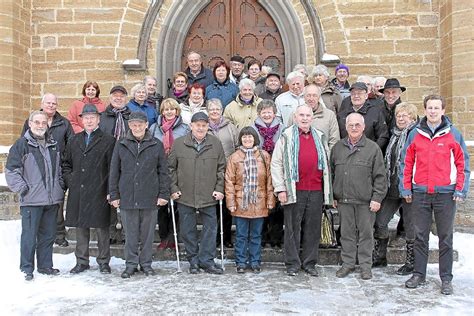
(90, 94)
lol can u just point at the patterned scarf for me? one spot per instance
(215, 127)
(250, 179)
(267, 133)
(398, 140)
(167, 128)
(119, 130)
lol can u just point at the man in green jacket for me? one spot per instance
(197, 167)
(359, 185)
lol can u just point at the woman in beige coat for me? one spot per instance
(249, 196)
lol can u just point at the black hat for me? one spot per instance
(238, 58)
(359, 85)
(138, 116)
(392, 83)
(89, 109)
(274, 74)
(118, 88)
(200, 116)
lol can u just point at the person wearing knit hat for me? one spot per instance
(341, 82)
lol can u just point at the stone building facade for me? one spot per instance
(56, 45)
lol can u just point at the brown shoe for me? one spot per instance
(366, 274)
(344, 271)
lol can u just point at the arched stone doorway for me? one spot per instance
(182, 14)
(229, 27)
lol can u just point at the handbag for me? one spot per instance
(328, 232)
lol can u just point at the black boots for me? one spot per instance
(408, 267)
(379, 255)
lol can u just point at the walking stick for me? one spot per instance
(222, 234)
(175, 236)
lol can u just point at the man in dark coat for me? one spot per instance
(60, 129)
(196, 71)
(197, 166)
(113, 120)
(272, 87)
(392, 91)
(85, 167)
(375, 126)
(139, 181)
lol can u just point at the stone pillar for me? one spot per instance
(15, 67)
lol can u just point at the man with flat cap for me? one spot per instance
(85, 168)
(139, 182)
(237, 64)
(392, 91)
(375, 125)
(272, 87)
(197, 167)
(113, 120)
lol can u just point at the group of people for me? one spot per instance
(274, 155)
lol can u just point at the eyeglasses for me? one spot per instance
(400, 116)
(354, 126)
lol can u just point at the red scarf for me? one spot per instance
(267, 133)
(167, 128)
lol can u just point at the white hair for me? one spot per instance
(135, 88)
(355, 114)
(294, 75)
(320, 70)
(365, 79)
(246, 82)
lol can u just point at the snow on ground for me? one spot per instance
(271, 292)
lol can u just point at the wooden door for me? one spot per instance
(235, 27)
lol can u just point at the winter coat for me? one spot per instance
(154, 101)
(286, 104)
(86, 174)
(280, 177)
(358, 174)
(331, 97)
(375, 127)
(275, 122)
(27, 175)
(241, 114)
(108, 119)
(226, 92)
(60, 129)
(229, 137)
(179, 128)
(187, 111)
(183, 98)
(260, 85)
(389, 113)
(234, 184)
(150, 111)
(76, 109)
(435, 162)
(139, 172)
(325, 120)
(197, 174)
(344, 90)
(270, 95)
(204, 77)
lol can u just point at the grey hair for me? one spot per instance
(37, 112)
(137, 87)
(46, 94)
(192, 53)
(298, 67)
(365, 78)
(380, 78)
(294, 75)
(246, 82)
(313, 85)
(266, 104)
(147, 78)
(320, 69)
(355, 114)
(214, 102)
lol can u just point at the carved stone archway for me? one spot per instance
(182, 14)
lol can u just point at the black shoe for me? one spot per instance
(79, 268)
(194, 269)
(61, 242)
(104, 268)
(28, 276)
(446, 287)
(228, 244)
(48, 271)
(128, 272)
(240, 269)
(149, 271)
(311, 271)
(292, 272)
(113, 241)
(256, 269)
(405, 269)
(415, 281)
(212, 269)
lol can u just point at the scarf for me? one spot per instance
(215, 127)
(119, 130)
(167, 128)
(250, 179)
(396, 144)
(292, 149)
(245, 101)
(178, 94)
(268, 133)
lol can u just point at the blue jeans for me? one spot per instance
(38, 231)
(248, 241)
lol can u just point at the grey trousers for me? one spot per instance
(357, 222)
(304, 215)
(139, 227)
(83, 236)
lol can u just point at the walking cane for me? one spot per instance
(175, 236)
(222, 234)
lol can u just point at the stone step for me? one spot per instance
(331, 256)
